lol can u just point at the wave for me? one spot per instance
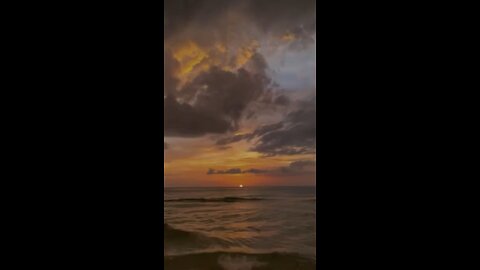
(223, 199)
(237, 261)
(176, 239)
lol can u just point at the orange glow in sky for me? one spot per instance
(188, 159)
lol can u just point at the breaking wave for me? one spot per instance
(176, 239)
(239, 261)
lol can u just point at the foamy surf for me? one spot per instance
(239, 261)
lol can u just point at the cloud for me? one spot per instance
(232, 139)
(256, 171)
(229, 171)
(282, 100)
(267, 16)
(224, 92)
(214, 102)
(203, 33)
(266, 129)
(294, 135)
(184, 120)
(282, 14)
(215, 73)
(298, 167)
(297, 137)
(171, 67)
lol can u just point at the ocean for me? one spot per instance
(240, 228)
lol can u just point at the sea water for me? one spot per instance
(240, 228)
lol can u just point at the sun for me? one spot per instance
(240, 186)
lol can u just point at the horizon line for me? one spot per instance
(237, 186)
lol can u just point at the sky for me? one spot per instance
(239, 93)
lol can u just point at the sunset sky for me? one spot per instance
(239, 93)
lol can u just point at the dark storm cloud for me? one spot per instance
(216, 100)
(212, 103)
(216, 97)
(282, 100)
(184, 120)
(298, 135)
(179, 14)
(295, 168)
(295, 135)
(267, 15)
(258, 64)
(225, 92)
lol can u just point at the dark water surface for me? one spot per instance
(240, 228)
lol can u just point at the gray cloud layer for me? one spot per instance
(216, 100)
(212, 103)
(296, 134)
(294, 168)
(266, 15)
